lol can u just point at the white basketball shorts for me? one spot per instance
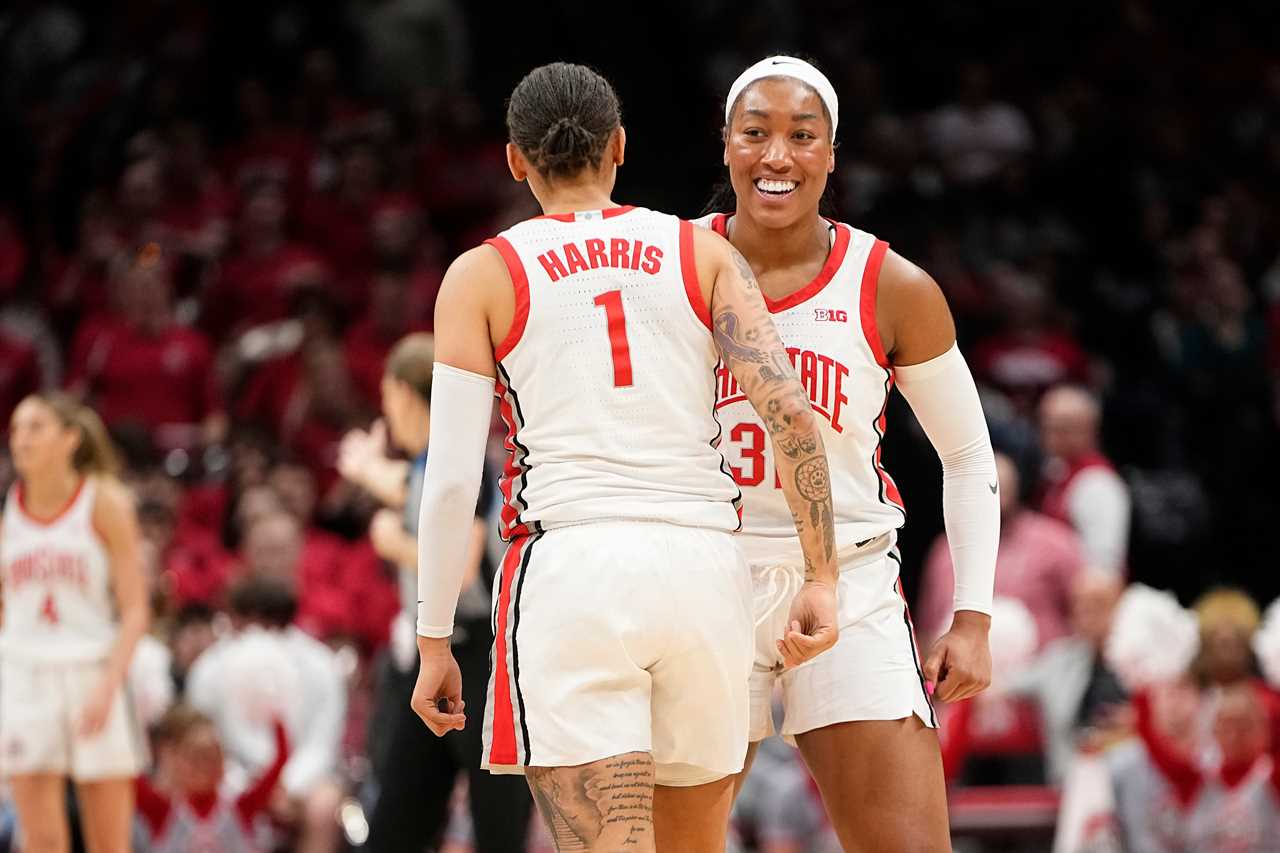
(874, 670)
(619, 637)
(40, 707)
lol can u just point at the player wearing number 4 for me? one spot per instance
(857, 319)
(622, 614)
(75, 605)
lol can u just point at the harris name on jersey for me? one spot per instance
(619, 254)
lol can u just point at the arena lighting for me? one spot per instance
(355, 826)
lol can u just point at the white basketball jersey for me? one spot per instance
(220, 832)
(607, 381)
(829, 327)
(56, 578)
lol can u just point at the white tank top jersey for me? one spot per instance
(829, 327)
(221, 832)
(56, 580)
(607, 380)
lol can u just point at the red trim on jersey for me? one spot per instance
(834, 259)
(915, 646)
(607, 213)
(890, 487)
(502, 748)
(520, 282)
(689, 271)
(867, 298)
(720, 224)
(512, 471)
(56, 517)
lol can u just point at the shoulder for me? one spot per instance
(113, 505)
(474, 273)
(904, 284)
(485, 260)
(707, 240)
(913, 319)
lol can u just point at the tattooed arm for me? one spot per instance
(752, 350)
(755, 354)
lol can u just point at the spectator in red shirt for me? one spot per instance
(145, 369)
(1081, 486)
(261, 279)
(338, 221)
(352, 569)
(1038, 563)
(267, 149)
(197, 205)
(79, 283)
(392, 314)
(275, 547)
(1031, 353)
(185, 567)
(308, 397)
(402, 239)
(140, 197)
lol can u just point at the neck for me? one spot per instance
(805, 241)
(46, 494)
(570, 198)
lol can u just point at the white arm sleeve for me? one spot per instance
(944, 398)
(461, 407)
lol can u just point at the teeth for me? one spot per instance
(775, 186)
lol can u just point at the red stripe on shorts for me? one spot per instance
(502, 748)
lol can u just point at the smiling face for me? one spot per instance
(778, 148)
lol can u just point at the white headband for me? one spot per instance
(787, 66)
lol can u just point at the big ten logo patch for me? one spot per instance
(830, 315)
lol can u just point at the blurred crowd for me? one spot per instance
(217, 220)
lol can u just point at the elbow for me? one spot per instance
(793, 415)
(441, 493)
(974, 457)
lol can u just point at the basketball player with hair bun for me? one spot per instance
(622, 614)
(857, 319)
(75, 605)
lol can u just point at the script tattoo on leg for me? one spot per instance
(603, 805)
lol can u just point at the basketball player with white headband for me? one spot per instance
(857, 320)
(623, 611)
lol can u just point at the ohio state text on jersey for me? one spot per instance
(56, 576)
(829, 327)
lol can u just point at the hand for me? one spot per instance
(959, 664)
(813, 627)
(96, 709)
(386, 530)
(359, 448)
(438, 679)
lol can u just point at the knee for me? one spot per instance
(45, 839)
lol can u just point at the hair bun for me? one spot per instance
(566, 138)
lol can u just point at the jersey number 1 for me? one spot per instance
(611, 302)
